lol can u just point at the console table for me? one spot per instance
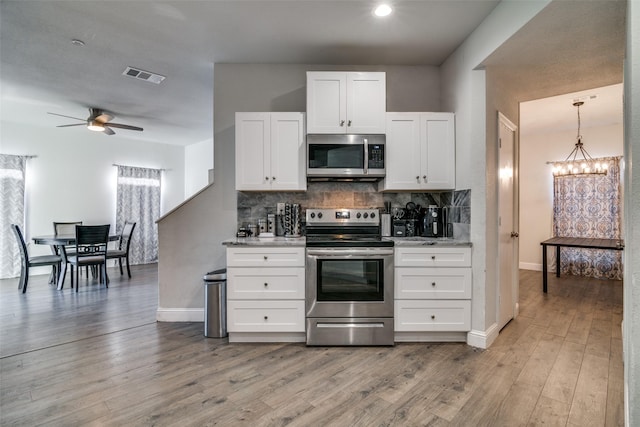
(574, 242)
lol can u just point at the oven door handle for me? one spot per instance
(337, 252)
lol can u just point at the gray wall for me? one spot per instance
(190, 238)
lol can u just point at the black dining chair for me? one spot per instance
(65, 228)
(91, 250)
(35, 261)
(124, 243)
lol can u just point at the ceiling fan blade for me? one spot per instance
(121, 126)
(66, 126)
(69, 117)
(108, 131)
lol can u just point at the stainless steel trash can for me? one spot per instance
(215, 304)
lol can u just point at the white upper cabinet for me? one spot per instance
(346, 102)
(420, 152)
(270, 152)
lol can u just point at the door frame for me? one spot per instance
(503, 120)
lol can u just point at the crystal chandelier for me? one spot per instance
(576, 165)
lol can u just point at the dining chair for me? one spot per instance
(66, 228)
(91, 250)
(124, 243)
(35, 261)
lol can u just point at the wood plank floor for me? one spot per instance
(99, 358)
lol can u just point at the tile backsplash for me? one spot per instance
(256, 205)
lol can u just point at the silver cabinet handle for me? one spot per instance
(349, 124)
(341, 122)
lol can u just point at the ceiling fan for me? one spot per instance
(98, 121)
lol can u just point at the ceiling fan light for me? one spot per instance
(95, 126)
(383, 10)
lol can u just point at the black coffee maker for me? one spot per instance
(433, 222)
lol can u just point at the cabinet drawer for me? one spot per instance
(265, 283)
(265, 257)
(432, 315)
(432, 283)
(433, 257)
(265, 316)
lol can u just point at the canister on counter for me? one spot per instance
(262, 226)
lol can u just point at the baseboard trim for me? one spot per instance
(180, 315)
(530, 266)
(483, 339)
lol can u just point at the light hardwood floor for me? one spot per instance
(99, 358)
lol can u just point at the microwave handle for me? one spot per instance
(366, 155)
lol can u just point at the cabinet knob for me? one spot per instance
(418, 178)
(267, 178)
(266, 257)
(349, 124)
(433, 257)
(273, 178)
(266, 317)
(341, 122)
(424, 177)
(432, 284)
(266, 284)
(433, 317)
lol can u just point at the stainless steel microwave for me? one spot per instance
(348, 156)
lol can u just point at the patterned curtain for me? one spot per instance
(139, 201)
(589, 206)
(12, 169)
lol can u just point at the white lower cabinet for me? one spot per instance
(432, 293)
(265, 294)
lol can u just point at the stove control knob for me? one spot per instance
(358, 215)
(313, 215)
(319, 214)
(373, 215)
(366, 215)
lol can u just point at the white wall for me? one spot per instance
(73, 177)
(536, 180)
(198, 159)
(464, 92)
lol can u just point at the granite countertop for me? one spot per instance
(266, 241)
(428, 241)
(301, 241)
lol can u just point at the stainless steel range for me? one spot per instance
(349, 278)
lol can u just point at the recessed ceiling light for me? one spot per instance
(382, 10)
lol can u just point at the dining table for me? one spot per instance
(61, 241)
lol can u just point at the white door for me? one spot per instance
(403, 153)
(326, 102)
(438, 139)
(252, 151)
(507, 226)
(288, 150)
(366, 102)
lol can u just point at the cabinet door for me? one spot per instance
(266, 283)
(288, 152)
(326, 102)
(403, 153)
(252, 151)
(432, 315)
(437, 131)
(366, 102)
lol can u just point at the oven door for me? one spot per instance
(349, 282)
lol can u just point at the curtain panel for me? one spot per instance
(12, 174)
(589, 206)
(138, 201)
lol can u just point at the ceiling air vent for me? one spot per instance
(143, 75)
